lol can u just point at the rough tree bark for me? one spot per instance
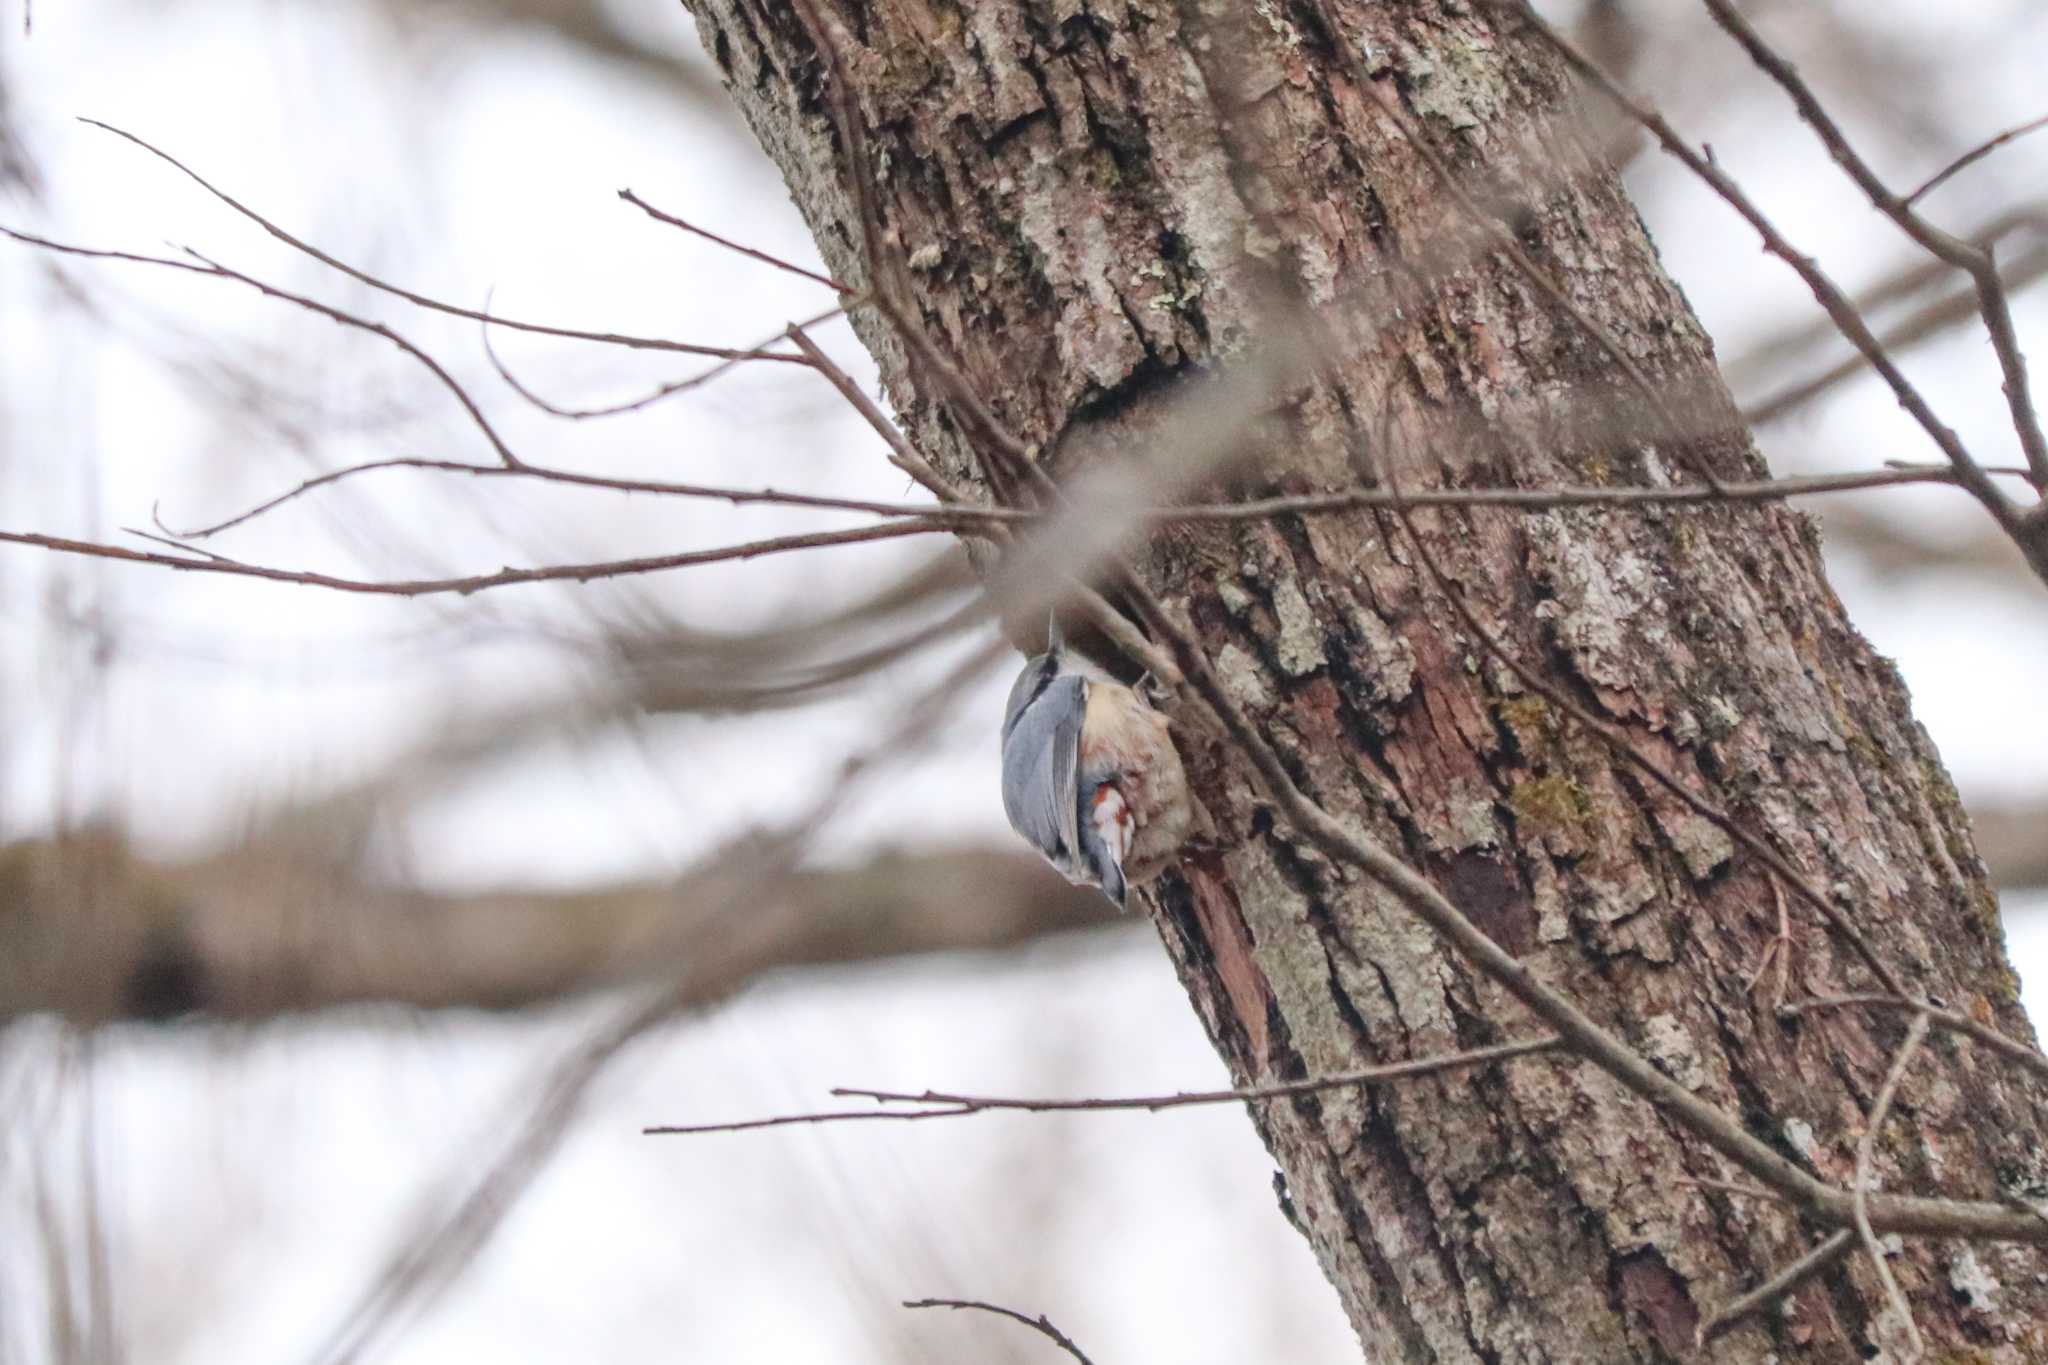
(1097, 197)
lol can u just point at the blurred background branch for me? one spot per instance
(93, 932)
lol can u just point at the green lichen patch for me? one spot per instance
(1553, 805)
(1530, 721)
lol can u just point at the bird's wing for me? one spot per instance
(1041, 772)
(1066, 765)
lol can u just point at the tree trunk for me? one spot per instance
(1096, 199)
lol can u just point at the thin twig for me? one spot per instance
(1865, 1147)
(902, 454)
(1796, 1273)
(739, 497)
(1975, 154)
(167, 539)
(1040, 1324)
(755, 252)
(686, 384)
(197, 562)
(348, 319)
(1548, 499)
(945, 1105)
(1393, 1071)
(1779, 949)
(2017, 1051)
(1735, 1187)
(637, 343)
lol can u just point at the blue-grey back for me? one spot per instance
(1041, 753)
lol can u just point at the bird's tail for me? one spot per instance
(1113, 884)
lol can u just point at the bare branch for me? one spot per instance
(2011, 1048)
(902, 454)
(202, 562)
(1040, 1324)
(698, 380)
(754, 252)
(1796, 1273)
(946, 1105)
(1424, 1066)
(738, 497)
(637, 343)
(1975, 154)
(1915, 1035)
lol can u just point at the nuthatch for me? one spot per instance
(1090, 774)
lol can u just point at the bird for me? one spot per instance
(1090, 773)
